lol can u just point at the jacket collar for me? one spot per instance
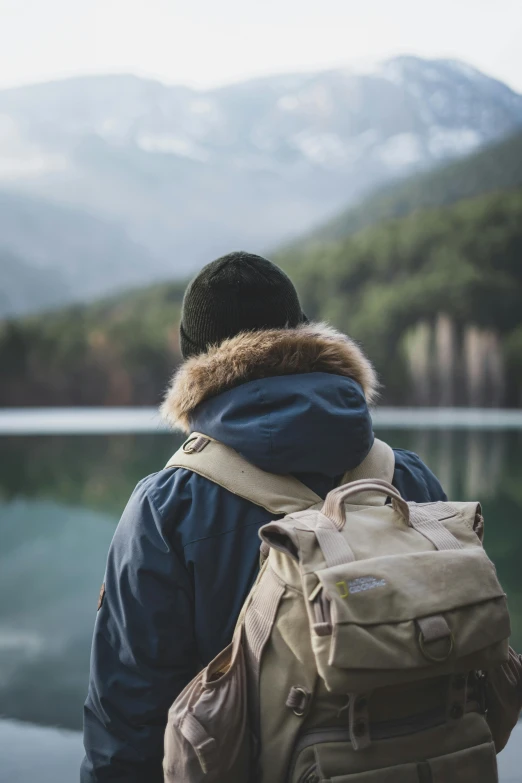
(249, 356)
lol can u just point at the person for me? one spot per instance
(292, 397)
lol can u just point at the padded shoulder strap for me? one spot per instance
(379, 463)
(224, 466)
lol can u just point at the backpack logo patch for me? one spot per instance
(359, 585)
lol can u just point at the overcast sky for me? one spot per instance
(208, 42)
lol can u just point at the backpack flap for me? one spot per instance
(411, 616)
(427, 604)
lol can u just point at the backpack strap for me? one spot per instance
(279, 494)
(379, 464)
(224, 466)
(426, 519)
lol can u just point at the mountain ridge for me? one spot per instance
(495, 167)
(51, 254)
(353, 68)
(186, 175)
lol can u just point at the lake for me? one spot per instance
(60, 500)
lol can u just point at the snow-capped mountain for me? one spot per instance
(403, 112)
(188, 174)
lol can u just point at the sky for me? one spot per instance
(205, 43)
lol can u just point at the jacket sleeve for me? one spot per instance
(414, 479)
(143, 650)
(504, 698)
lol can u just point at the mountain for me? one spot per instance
(497, 167)
(26, 288)
(51, 254)
(170, 177)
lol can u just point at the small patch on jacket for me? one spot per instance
(101, 596)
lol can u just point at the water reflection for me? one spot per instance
(51, 560)
(60, 499)
(469, 463)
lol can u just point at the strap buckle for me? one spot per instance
(433, 630)
(195, 444)
(298, 700)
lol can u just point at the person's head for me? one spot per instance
(236, 293)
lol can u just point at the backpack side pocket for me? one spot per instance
(207, 736)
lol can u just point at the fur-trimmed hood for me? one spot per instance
(250, 356)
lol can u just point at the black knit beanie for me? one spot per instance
(238, 292)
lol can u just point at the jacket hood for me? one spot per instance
(300, 424)
(289, 400)
(249, 356)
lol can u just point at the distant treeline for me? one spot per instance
(434, 297)
(121, 351)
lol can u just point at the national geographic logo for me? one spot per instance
(359, 585)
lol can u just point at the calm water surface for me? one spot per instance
(60, 500)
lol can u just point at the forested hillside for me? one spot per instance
(498, 167)
(435, 298)
(117, 352)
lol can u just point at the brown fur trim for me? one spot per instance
(252, 355)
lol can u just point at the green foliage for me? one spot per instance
(498, 167)
(464, 261)
(119, 351)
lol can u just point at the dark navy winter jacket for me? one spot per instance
(186, 552)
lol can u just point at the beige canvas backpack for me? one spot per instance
(361, 652)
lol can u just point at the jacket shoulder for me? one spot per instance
(414, 480)
(167, 487)
(183, 506)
